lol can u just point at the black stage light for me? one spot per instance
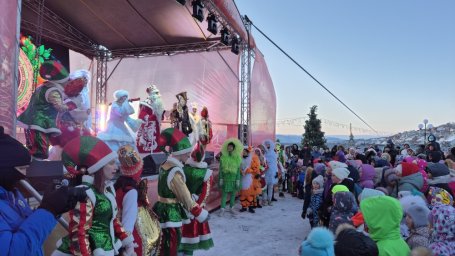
(235, 47)
(212, 24)
(225, 36)
(182, 2)
(198, 10)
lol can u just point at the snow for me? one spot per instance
(271, 231)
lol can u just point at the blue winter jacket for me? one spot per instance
(22, 230)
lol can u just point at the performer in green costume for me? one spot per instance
(229, 175)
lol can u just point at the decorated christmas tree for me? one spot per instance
(313, 135)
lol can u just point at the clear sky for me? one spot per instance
(393, 62)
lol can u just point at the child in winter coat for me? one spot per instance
(318, 243)
(442, 241)
(417, 222)
(316, 200)
(367, 174)
(382, 215)
(342, 212)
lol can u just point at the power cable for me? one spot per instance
(308, 73)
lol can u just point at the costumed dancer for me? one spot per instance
(250, 169)
(183, 117)
(229, 174)
(132, 201)
(271, 173)
(39, 119)
(260, 180)
(94, 228)
(173, 195)
(151, 112)
(195, 120)
(196, 235)
(117, 134)
(206, 133)
(73, 122)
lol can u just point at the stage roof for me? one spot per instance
(130, 27)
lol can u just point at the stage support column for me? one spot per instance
(10, 16)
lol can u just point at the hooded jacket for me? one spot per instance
(367, 177)
(411, 182)
(383, 215)
(342, 210)
(443, 236)
(418, 237)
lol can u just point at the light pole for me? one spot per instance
(425, 126)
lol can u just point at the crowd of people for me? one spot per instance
(396, 201)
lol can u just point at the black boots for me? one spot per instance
(250, 209)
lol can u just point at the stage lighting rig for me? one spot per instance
(182, 2)
(235, 47)
(212, 24)
(225, 36)
(198, 10)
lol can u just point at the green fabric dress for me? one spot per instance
(40, 114)
(383, 215)
(195, 236)
(170, 215)
(230, 175)
(99, 232)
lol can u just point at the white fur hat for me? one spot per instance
(120, 93)
(194, 105)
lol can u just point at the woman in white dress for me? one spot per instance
(117, 134)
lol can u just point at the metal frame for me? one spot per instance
(245, 87)
(102, 58)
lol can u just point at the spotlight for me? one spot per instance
(235, 47)
(182, 2)
(198, 10)
(212, 24)
(225, 36)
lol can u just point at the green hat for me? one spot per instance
(86, 151)
(339, 188)
(176, 140)
(54, 71)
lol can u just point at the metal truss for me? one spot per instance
(245, 88)
(66, 34)
(209, 45)
(103, 56)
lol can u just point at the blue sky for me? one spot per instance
(393, 62)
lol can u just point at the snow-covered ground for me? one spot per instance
(272, 230)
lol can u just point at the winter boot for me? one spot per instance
(250, 209)
(258, 205)
(243, 209)
(231, 211)
(221, 212)
(270, 202)
(281, 194)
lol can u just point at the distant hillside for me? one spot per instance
(445, 135)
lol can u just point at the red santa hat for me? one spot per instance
(86, 152)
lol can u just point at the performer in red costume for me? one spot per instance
(151, 112)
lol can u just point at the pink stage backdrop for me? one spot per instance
(263, 102)
(8, 63)
(208, 80)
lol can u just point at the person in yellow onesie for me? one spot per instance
(249, 170)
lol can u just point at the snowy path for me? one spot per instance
(272, 230)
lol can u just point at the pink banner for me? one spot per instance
(263, 102)
(210, 79)
(9, 43)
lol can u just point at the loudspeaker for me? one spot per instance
(42, 174)
(152, 163)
